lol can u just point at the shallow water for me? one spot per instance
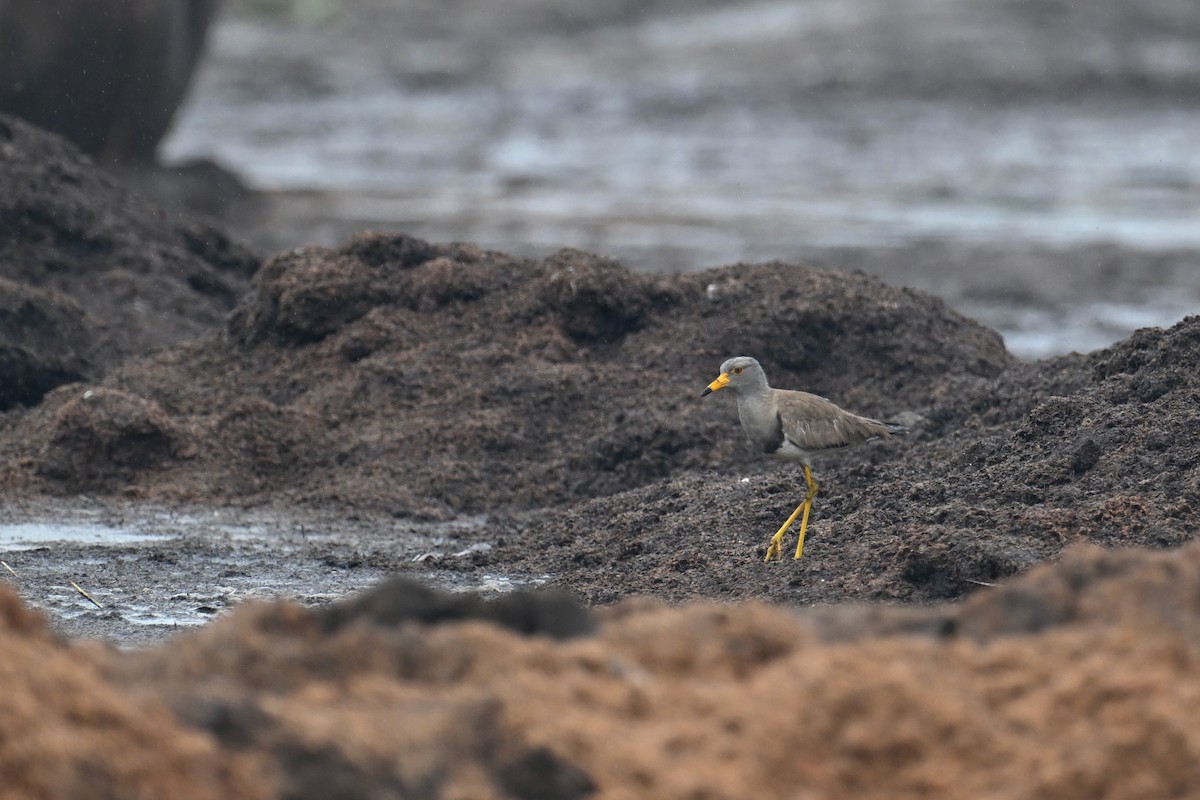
(605, 163)
(153, 571)
(28, 535)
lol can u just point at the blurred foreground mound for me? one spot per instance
(1074, 680)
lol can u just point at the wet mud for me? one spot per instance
(560, 399)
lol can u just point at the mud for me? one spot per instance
(91, 274)
(554, 404)
(1001, 604)
(138, 574)
(999, 477)
(434, 381)
(561, 399)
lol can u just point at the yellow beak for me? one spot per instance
(720, 383)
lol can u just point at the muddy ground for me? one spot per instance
(209, 461)
(481, 423)
(555, 407)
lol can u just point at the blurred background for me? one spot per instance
(1034, 162)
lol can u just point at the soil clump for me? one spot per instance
(440, 380)
(1001, 475)
(1044, 687)
(561, 398)
(91, 274)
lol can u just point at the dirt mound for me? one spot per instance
(561, 398)
(69, 732)
(434, 380)
(43, 340)
(143, 279)
(999, 477)
(1072, 680)
(99, 439)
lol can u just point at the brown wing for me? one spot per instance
(811, 422)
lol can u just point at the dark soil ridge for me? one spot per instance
(561, 397)
(437, 380)
(1095, 448)
(91, 274)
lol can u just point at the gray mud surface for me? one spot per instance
(151, 572)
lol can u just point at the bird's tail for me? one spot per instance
(896, 429)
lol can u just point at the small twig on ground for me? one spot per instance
(980, 583)
(85, 594)
(10, 569)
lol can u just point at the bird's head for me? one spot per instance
(738, 373)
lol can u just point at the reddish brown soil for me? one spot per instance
(561, 398)
(1073, 680)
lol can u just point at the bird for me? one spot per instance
(793, 426)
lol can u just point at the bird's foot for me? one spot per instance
(775, 548)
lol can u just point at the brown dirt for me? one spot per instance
(999, 476)
(1073, 680)
(561, 398)
(439, 380)
(67, 731)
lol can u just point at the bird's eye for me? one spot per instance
(738, 370)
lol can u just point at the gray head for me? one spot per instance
(740, 374)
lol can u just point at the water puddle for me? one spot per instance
(142, 614)
(86, 568)
(28, 535)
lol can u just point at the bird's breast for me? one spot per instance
(762, 426)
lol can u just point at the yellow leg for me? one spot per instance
(813, 488)
(775, 548)
(803, 529)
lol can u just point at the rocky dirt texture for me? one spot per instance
(441, 380)
(91, 274)
(561, 398)
(1074, 679)
(1000, 475)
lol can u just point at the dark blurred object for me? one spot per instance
(108, 76)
